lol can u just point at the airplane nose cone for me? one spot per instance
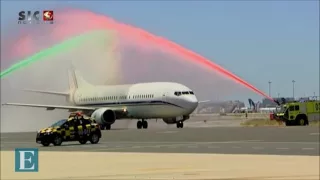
(193, 101)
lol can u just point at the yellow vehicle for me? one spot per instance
(299, 113)
(76, 128)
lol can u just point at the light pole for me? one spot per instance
(293, 81)
(269, 88)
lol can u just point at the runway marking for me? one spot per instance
(317, 134)
(282, 148)
(236, 147)
(103, 146)
(207, 142)
(307, 148)
(165, 132)
(179, 142)
(136, 147)
(213, 147)
(257, 148)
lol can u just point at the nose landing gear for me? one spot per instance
(142, 124)
(180, 124)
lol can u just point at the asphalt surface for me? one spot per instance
(225, 140)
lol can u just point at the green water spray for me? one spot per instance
(52, 51)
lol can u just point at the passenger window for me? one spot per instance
(296, 108)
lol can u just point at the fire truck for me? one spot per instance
(298, 113)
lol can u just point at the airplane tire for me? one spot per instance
(108, 127)
(139, 124)
(179, 124)
(145, 124)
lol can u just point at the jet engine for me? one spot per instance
(104, 116)
(170, 120)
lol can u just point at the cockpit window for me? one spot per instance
(177, 93)
(185, 92)
(191, 92)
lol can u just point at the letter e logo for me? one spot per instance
(26, 160)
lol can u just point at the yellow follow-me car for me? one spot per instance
(76, 128)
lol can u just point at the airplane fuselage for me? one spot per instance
(142, 101)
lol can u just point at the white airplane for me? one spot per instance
(169, 101)
(268, 109)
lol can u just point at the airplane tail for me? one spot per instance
(75, 82)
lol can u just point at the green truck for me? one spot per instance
(298, 113)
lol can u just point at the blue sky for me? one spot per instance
(258, 41)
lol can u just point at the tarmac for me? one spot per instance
(225, 153)
(217, 140)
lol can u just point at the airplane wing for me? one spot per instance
(203, 101)
(120, 111)
(51, 107)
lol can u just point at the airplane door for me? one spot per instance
(164, 96)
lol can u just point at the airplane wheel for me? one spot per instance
(145, 124)
(108, 127)
(179, 124)
(139, 124)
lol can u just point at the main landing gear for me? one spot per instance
(142, 124)
(105, 127)
(180, 124)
